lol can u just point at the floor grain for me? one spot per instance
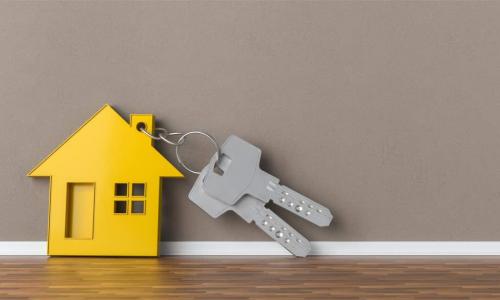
(250, 278)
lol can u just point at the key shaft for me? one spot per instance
(274, 226)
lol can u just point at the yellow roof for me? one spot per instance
(105, 143)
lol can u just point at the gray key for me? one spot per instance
(240, 175)
(252, 209)
(237, 183)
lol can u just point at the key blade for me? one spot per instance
(274, 226)
(283, 233)
(300, 205)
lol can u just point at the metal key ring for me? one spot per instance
(166, 140)
(181, 141)
(162, 137)
(143, 130)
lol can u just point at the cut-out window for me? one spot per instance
(130, 194)
(137, 207)
(138, 189)
(121, 189)
(120, 207)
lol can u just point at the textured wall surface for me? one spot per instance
(387, 112)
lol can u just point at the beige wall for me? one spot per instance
(387, 112)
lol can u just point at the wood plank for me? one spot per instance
(250, 278)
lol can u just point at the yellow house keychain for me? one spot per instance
(105, 188)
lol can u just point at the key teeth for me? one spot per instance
(283, 233)
(302, 206)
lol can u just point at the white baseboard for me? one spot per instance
(23, 248)
(272, 248)
(333, 248)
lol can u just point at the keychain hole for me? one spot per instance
(222, 165)
(141, 126)
(218, 170)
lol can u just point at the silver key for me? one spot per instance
(241, 175)
(238, 184)
(252, 210)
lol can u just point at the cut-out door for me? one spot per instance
(80, 211)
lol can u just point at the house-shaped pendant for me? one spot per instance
(105, 188)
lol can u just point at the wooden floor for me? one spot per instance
(250, 278)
